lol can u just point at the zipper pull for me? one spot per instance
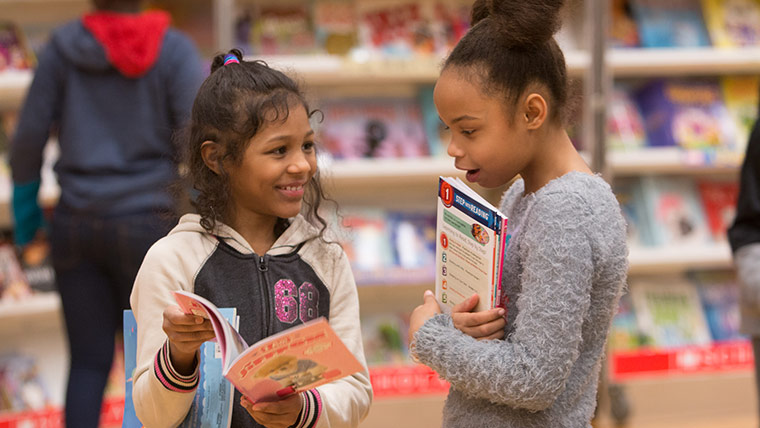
(262, 264)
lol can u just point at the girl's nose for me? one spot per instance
(299, 164)
(454, 150)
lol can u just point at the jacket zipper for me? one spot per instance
(263, 268)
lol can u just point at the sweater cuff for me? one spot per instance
(425, 339)
(170, 378)
(27, 215)
(311, 409)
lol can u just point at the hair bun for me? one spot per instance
(521, 22)
(218, 60)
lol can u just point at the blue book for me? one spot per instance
(672, 23)
(212, 405)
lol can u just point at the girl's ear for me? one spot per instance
(535, 111)
(211, 152)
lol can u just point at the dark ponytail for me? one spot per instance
(511, 46)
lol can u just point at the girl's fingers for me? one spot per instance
(473, 319)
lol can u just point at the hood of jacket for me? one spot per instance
(130, 43)
(297, 233)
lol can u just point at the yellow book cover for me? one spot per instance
(732, 23)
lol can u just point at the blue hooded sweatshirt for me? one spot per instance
(113, 88)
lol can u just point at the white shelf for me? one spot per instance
(13, 87)
(34, 306)
(679, 258)
(407, 171)
(672, 160)
(640, 62)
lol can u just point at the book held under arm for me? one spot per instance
(471, 243)
(292, 361)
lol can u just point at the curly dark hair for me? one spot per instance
(231, 106)
(511, 47)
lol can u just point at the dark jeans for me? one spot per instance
(96, 260)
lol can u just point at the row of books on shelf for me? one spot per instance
(706, 114)
(389, 247)
(685, 23)
(714, 114)
(676, 211)
(696, 309)
(679, 325)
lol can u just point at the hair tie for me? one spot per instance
(231, 59)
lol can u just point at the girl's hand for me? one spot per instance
(186, 334)
(275, 414)
(480, 325)
(422, 313)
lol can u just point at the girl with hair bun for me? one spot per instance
(255, 243)
(535, 363)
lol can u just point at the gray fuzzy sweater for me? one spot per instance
(564, 271)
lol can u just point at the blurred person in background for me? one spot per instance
(744, 236)
(113, 86)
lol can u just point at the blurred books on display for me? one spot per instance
(388, 247)
(663, 211)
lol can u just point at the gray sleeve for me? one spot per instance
(529, 370)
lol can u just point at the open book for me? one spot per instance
(294, 360)
(471, 242)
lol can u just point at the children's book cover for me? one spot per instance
(740, 94)
(295, 360)
(13, 282)
(674, 212)
(365, 238)
(719, 202)
(670, 312)
(14, 52)
(623, 32)
(373, 128)
(672, 23)
(385, 339)
(625, 125)
(732, 23)
(396, 30)
(282, 28)
(719, 293)
(212, 404)
(412, 239)
(689, 114)
(335, 25)
(470, 246)
(628, 193)
(437, 133)
(625, 333)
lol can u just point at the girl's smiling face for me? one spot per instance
(486, 141)
(276, 166)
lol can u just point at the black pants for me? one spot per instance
(96, 260)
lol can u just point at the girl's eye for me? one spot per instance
(308, 146)
(279, 151)
(467, 132)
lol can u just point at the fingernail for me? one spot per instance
(428, 293)
(502, 312)
(199, 320)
